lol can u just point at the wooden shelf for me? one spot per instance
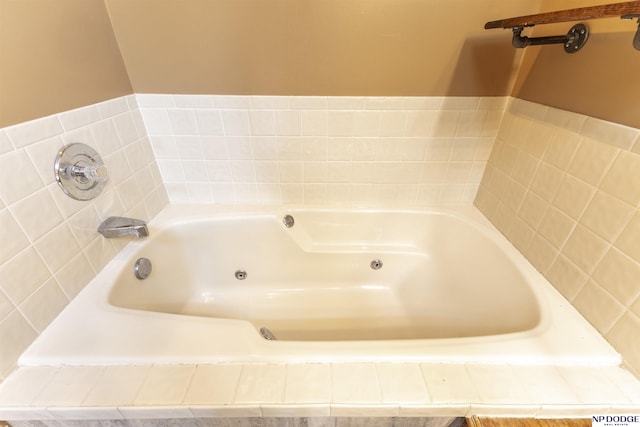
(578, 14)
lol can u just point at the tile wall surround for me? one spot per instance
(50, 248)
(321, 150)
(565, 190)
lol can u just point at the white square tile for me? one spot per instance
(545, 385)
(29, 181)
(308, 383)
(366, 123)
(15, 283)
(232, 101)
(24, 384)
(43, 154)
(57, 247)
(263, 122)
(84, 224)
(69, 386)
(261, 383)
(37, 214)
(345, 103)
(585, 248)
(609, 133)
(209, 122)
(449, 383)
(308, 102)
(165, 385)
(117, 386)
(626, 382)
(213, 385)
(422, 124)
(591, 385)
(340, 123)
(423, 102)
(270, 102)
(498, 384)
(236, 122)
(402, 383)
(79, 117)
(621, 180)
(289, 122)
(355, 383)
(156, 121)
(392, 123)
(32, 131)
(14, 239)
(239, 148)
(5, 144)
(112, 107)
(384, 103)
(189, 147)
(289, 148)
(314, 123)
(6, 306)
(592, 160)
(75, 275)
(164, 147)
(242, 171)
(193, 101)
(127, 130)
(183, 121)
(44, 305)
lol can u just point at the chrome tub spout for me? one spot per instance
(117, 226)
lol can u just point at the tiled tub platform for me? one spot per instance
(315, 390)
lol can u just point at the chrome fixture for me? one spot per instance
(267, 334)
(241, 274)
(142, 268)
(376, 264)
(288, 221)
(80, 171)
(117, 226)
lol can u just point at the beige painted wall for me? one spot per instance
(602, 80)
(317, 47)
(56, 55)
(59, 55)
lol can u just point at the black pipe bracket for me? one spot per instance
(636, 38)
(573, 41)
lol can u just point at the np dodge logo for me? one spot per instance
(615, 420)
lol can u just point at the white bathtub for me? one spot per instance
(450, 289)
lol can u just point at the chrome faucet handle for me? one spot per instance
(80, 171)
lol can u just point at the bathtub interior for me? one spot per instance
(492, 308)
(441, 276)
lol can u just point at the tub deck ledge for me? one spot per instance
(316, 390)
